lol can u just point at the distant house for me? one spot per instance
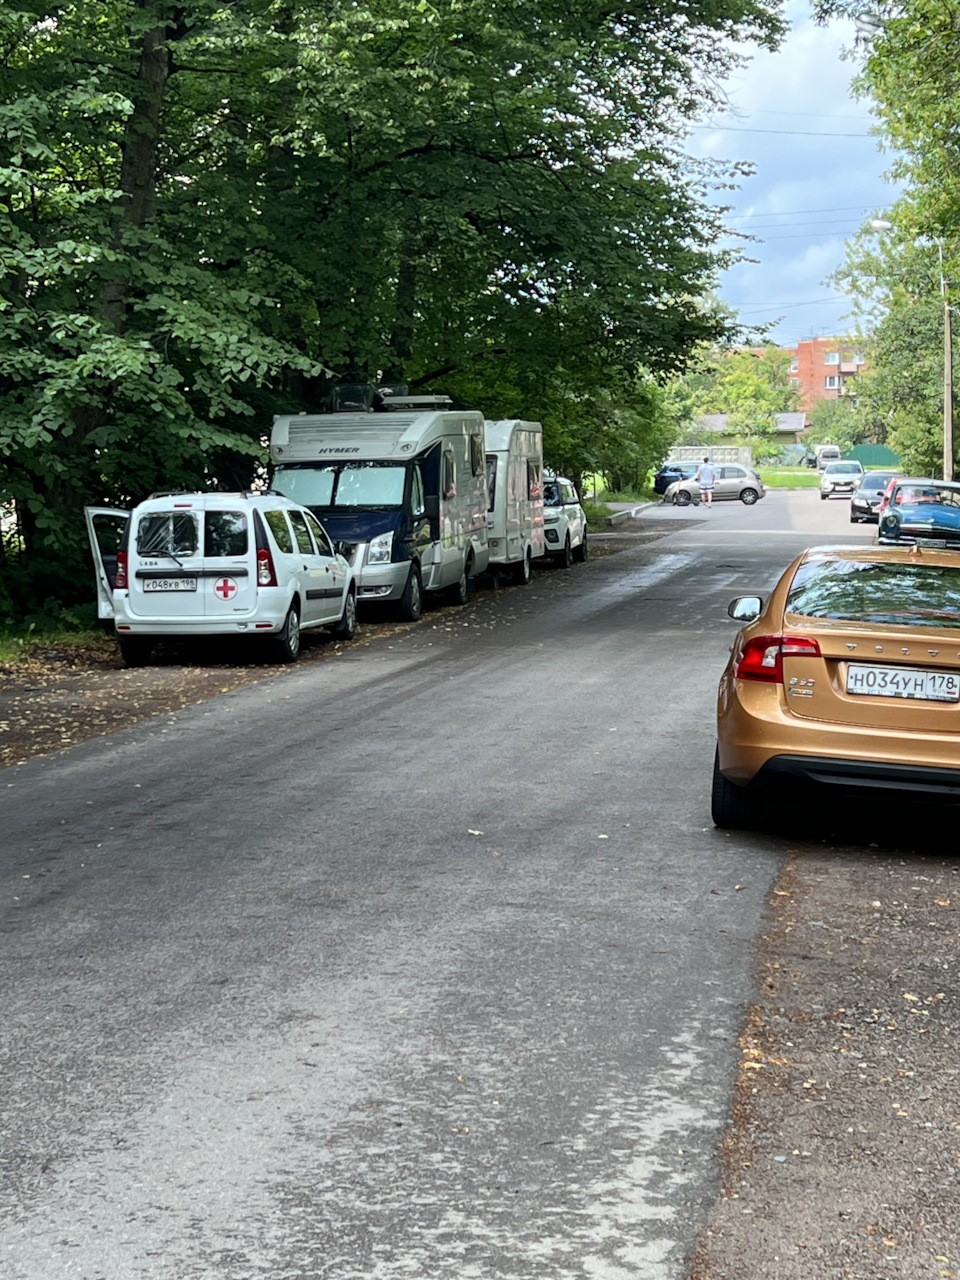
(826, 369)
(790, 428)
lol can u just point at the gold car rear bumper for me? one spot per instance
(758, 739)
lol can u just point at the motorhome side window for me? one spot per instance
(476, 455)
(417, 504)
(301, 532)
(448, 474)
(319, 537)
(280, 530)
(225, 533)
(534, 483)
(167, 533)
(491, 479)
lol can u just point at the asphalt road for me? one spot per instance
(426, 962)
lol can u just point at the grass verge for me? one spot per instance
(790, 477)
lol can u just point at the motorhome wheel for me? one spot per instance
(411, 602)
(460, 591)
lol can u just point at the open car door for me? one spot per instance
(106, 528)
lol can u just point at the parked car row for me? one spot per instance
(364, 506)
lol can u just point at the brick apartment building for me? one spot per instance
(825, 369)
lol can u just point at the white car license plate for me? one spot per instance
(903, 682)
(169, 584)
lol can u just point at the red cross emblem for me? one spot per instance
(225, 588)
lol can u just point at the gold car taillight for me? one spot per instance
(762, 657)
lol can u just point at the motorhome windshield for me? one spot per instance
(343, 484)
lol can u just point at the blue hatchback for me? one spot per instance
(672, 471)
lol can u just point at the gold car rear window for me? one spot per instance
(895, 593)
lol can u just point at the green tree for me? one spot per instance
(210, 211)
(752, 386)
(893, 281)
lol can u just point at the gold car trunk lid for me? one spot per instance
(891, 681)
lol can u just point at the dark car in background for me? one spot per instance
(867, 496)
(671, 472)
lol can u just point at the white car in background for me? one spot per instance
(840, 477)
(564, 521)
(218, 564)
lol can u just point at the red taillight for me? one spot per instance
(266, 577)
(762, 657)
(120, 577)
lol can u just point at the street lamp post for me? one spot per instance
(947, 375)
(881, 224)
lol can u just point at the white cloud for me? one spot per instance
(818, 176)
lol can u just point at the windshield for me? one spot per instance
(343, 484)
(876, 480)
(926, 595)
(551, 493)
(847, 468)
(937, 494)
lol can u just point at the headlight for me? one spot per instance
(890, 523)
(380, 549)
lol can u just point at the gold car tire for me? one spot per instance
(731, 807)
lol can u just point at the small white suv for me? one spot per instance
(209, 564)
(840, 477)
(564, 522)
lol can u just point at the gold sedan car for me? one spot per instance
(848, 677)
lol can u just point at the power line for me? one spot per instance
(785, 226)
(784, 133)
(789, 306)
(790, 213)
(826, 235)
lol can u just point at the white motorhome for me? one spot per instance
(515, 491)
(401, 490)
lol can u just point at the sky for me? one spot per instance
(818, 176)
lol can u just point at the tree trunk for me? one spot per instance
(138, 171)
(401, 339)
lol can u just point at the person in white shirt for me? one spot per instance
(706, 478)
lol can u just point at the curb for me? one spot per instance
(621, 517)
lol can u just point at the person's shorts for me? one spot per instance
(706, 488)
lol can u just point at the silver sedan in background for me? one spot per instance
(733, 481)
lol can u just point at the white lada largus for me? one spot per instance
(209, 564)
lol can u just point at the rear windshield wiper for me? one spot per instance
(149, 550)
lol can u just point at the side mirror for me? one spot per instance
(745, 608)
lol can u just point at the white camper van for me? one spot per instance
(401, 490)
(515, 494)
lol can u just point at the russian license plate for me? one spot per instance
(903, 682)
(169, 584)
